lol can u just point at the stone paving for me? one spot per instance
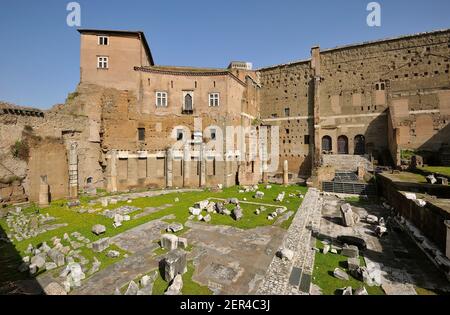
(229, 260)
(403, 266)
(140, 242)
(144, 194)
(278, 279)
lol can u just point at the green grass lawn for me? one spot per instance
(83, 223)
(443, 170)
(324, 266)
(408, 177)
(190, 287)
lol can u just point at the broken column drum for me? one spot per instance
(285, 173)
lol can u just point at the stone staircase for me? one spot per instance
(349, 188)
(347, 162)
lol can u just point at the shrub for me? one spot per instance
(20, 150)
(71, 96)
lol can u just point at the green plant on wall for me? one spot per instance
(20, 150)
(256, 122)
(71, 96)
(407, 154)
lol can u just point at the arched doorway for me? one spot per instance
(342, 145)
(327, 145)
(188, 102)
(360, 145)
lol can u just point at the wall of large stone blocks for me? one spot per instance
(286, 103)
(429, 219)
(408, 76)
(49, 159)
(48, 138)
(151, 171)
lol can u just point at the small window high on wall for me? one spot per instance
(103, 40)
(380, 86)
(141, 134)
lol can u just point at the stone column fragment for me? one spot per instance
(286, 173)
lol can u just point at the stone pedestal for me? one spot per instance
(285, 173)
(447, 251)
(44, 192)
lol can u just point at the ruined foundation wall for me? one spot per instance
(285, 102)
(429, 219)
(46, 137)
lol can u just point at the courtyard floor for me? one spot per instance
(405, 270)
(218, 250)
(224, 256)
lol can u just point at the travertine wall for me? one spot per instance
(47, 135)
(394, 94)
(286, 102)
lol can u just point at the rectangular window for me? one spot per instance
(214, 99)
(306, 139)
(102, 62)
(141, 134)
(161, 99)
(287, 112)
(213, 134)
(103, 40)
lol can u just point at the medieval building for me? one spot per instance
(135, 124)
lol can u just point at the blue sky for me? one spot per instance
(39, 62)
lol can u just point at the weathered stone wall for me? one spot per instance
(374, 98)
(393, 94)
(429, 219)
(286, 102)
(346, 163)
(38, 131)
(48, 159)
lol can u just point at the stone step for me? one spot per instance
(349, 188)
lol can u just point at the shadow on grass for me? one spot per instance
(13, 282)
